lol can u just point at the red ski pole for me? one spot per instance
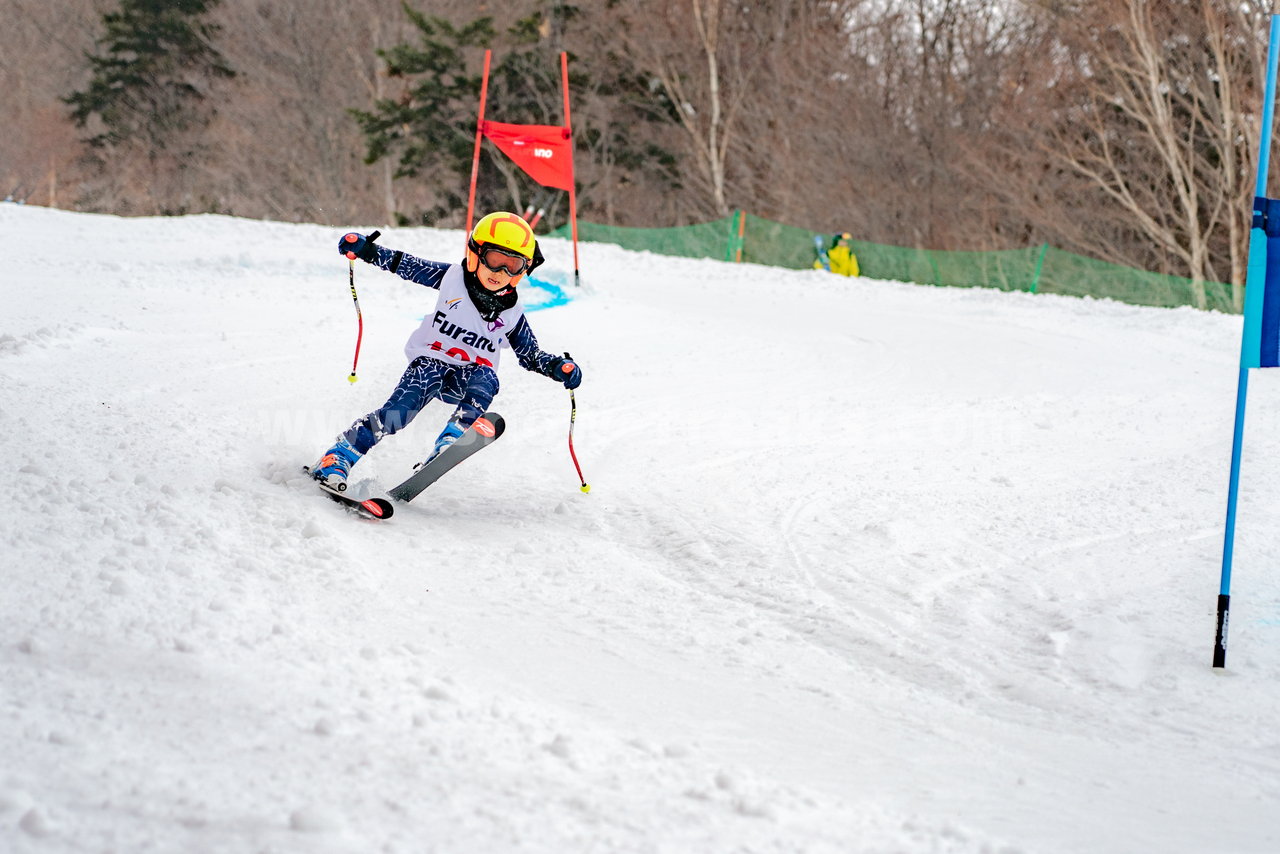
(573, 416)
(351, 273)
(351, 277)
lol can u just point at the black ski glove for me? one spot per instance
(567, 372)
(354, 245)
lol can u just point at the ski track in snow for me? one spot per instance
(865, 566)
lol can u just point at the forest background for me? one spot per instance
(1120, 129)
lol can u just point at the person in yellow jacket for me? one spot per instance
(839, 259)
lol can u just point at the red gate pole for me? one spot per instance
(475, 158)
(573, 202)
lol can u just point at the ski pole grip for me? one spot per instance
(351, 256)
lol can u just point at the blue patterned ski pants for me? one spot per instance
(470, 387)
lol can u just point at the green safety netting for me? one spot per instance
(706, 240)
(1076, 275)
(1040, 269)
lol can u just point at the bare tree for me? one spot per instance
(1146, 104)
(705, 75)
(41, 48)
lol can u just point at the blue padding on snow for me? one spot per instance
(542, 292)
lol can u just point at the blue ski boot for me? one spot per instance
(450, 434)
(335, 465)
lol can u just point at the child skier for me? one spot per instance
(454, 353)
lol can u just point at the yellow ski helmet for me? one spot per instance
(505, 229)
(509, 234)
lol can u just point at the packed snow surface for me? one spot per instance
(865, 566)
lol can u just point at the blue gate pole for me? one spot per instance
(1255, 282)
(1228, 544)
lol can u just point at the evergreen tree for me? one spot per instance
(431, 125)
(151, 73)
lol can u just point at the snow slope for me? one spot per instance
(866, 567)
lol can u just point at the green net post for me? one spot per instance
(733, 246)
(1035, 278)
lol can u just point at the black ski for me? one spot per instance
(484, 432)
(370, 508)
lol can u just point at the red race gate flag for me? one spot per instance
(545, 152)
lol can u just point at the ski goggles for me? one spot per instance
(501, 261)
